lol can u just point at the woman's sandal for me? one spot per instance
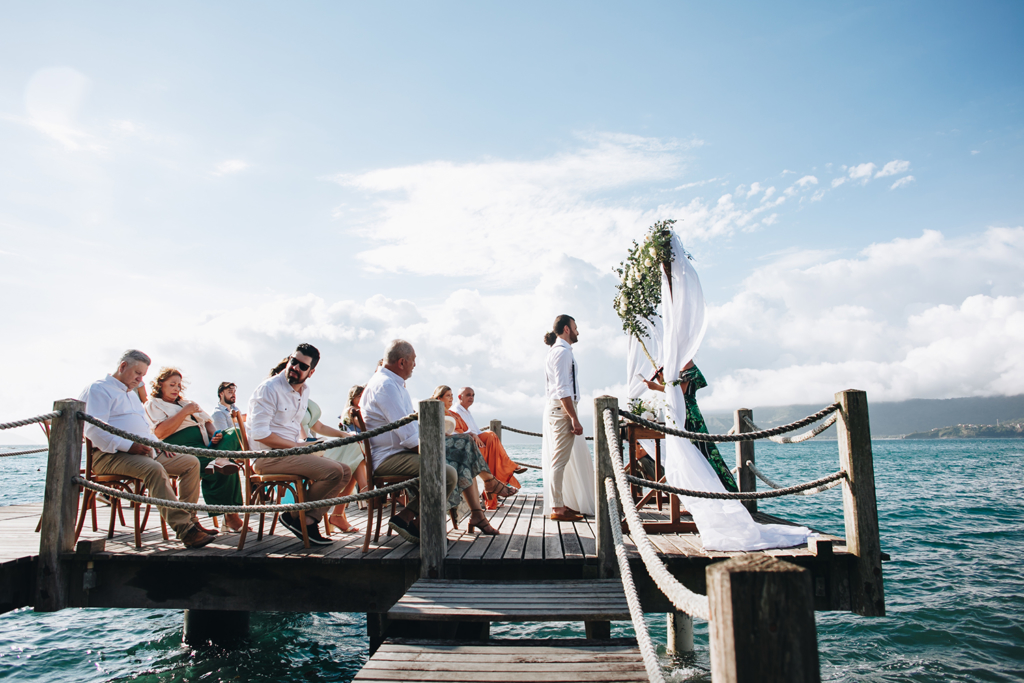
(500, 489)
(481, 523)
(349, 530)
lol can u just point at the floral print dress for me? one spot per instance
(695, 423)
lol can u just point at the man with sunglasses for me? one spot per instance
(276, 409)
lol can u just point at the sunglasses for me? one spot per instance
(299, 364)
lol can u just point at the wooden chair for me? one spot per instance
(376, 481)
(261, 489)
(120, 482)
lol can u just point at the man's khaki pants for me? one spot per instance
(153, 473)
(407, 463)
(561, 450)
(327, 477)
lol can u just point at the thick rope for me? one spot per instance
(810, 492)
(281, 453)
(743, 495)
(8, 454)
(242, 509)
(683, 598)
(30, 420)
(541, 436)
(636, 612)
(718, 438)
(806, 436)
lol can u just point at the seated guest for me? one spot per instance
(276, 409)
(387, 400)
(115, 401)
(499, 480)
(226, 395)
(466, 399)
(349, 420)
(350, 455)
(176, 420)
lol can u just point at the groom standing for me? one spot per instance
(562, 389)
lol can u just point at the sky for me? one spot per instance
(215, 183)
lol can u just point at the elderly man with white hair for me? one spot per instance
(115, 401)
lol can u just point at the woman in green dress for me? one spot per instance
(690, 380)
(178, 421)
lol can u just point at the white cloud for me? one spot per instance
(53, 98)
(230, 166)
(975, 151)
(754, 189)
(837, 182)
(902, 181)
(807, 180)
(893, 168)
(862, 171)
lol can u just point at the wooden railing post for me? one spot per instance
(867, 592)
(607, 565)
(762, 621)
(433, 501)
(745, 478)
(496, 428)
(60, 505)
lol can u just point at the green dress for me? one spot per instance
(462, 453)
(218, 489)
(695, 423)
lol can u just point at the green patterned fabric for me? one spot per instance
(461, 453)
(695, 423)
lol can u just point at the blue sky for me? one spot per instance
(213, 183)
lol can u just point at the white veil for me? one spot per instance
(722, 524)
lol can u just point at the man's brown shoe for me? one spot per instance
(208, 532)
(196, 537)
(566, 517)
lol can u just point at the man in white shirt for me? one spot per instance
(397, 453)
(115, 401)
(227, 394)
(275, 416)
(466, 399)
(562, 391)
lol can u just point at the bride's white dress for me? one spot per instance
(578, 481)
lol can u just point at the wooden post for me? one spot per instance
(223, 628)
(679, 633)
(762, 621)
(496, 428)
(607, 566)
(60, 506)
(433, 501)
(745, 451)
(867, 592)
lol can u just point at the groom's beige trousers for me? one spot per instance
(561, 451)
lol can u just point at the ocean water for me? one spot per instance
(951, 516)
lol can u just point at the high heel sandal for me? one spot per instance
(500, 489)
(482, 524)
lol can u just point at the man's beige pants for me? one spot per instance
(153, 473)
(561, 450)
(327, 477)
(407, 463)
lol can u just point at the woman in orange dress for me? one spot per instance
(504, 483)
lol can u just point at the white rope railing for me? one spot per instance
(29, 420)
(8, 454)
(807, 492)
(731, 436)
(741, 495)
(683, 598)
(636, 612)
(537, 434)
(806, 436)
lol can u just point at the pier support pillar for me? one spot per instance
(433, 501)
(607, 565)
(496, 428)
(745, 479)
(598, 630)
(679, 633)
(223, 628)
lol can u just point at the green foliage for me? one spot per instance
(639, 288)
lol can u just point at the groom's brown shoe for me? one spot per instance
(566, 517)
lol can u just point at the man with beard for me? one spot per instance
(563, 393)
(227, 394)
(276, 409)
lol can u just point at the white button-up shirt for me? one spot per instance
(560, 372)
(468, 417)
(385, 399)
(109, 400)
(275, 407)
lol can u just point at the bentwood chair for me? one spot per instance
(120, 482)
(377, 481)
(263, 489)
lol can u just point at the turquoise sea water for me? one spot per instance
(951, 517)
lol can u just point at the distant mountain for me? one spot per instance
(1013, 429)
(895, 418)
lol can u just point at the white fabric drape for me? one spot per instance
(722, 524)
(578, 481)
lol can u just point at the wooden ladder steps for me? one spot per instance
(444, 600)
(536, 661)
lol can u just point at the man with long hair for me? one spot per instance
(562, 391)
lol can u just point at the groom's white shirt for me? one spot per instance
(560, 380)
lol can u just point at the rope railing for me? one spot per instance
(277, 453)
(683, 598)
(745, 436)
(636, 612)
(242, 509)
(742, 495)
(806, 436)
(809, 492)
(29, 420)
(537, 434)
(8, 454)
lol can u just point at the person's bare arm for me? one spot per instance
(321, 428)
(570, 410)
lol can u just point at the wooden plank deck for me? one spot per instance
(342, 578)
